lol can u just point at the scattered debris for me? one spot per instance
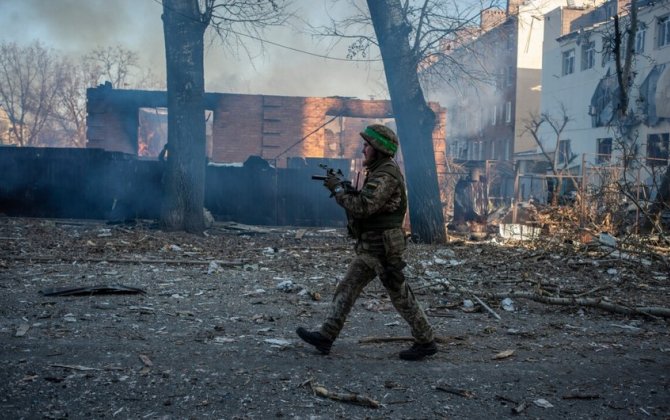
(520, 408)
(278, 342)
(286, 286)
(74, 367)
(232, 331)
(456, 391)
(508, 305)
(491, 311)
(541, 402)
(503, 354)
(22, 330)
(145, 359)
(580, 396)
(343, 397)
(92, 290)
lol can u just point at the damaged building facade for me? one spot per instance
(488, 104)
(261, 149)
(581, 76)
(278, 129)
(543, 59)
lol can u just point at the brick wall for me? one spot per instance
(273, 127)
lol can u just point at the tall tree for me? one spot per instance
(414, 118)
(412, 36)
(184, 188)
(184, 25)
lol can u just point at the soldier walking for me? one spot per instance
(376, 214)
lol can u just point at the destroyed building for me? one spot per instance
(261, 149)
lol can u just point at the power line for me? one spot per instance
(276, 44)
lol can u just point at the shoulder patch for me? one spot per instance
(372, 185)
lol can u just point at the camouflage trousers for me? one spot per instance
(378, 253)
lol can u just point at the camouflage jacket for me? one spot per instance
(381, 194)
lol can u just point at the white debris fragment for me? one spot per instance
(467, 303)
(277, 342)
(541, 402)
(213, 267)
(508, 305)
(255, 292)
(223, 340)
(445, 252)
(175, 248)
(612, 271)
(286, 286)
(607, 240)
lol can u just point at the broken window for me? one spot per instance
(564, 152)
(568, 62)
(639, 40)
(508, 112)
(152, 132)
(664, 31)
(604, 152)
(588, 55)
(657, 149)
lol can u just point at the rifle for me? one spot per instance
(346, 184)
(352, 224)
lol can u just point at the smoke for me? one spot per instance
(75, 27)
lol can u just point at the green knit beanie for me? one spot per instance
(382, 138)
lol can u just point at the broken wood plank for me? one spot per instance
(456, 391)
(344, 397)
(600, 303)
(491, 311)
(70, 259)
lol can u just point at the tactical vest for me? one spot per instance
(387, 220)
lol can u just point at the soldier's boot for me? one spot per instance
(315, 338)
(419, 351)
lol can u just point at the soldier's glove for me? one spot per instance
(332, 182)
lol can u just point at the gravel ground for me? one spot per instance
(213, 334)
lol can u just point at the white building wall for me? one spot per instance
(529, 52)
(574, 91)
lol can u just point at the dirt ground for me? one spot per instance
(213, 336)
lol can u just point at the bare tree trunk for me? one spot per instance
(414, 119)
(184, 181)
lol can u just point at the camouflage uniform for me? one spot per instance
(378, 251)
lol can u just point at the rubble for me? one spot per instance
(578, 326)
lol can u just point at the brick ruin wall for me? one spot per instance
(272, 127)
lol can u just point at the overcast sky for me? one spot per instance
(76, 26)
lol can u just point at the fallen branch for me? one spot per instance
(344, 397)
(74, 367)
(579, 396)
(456, 391)
(491, 311)
(70, 259)
(600, 303)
